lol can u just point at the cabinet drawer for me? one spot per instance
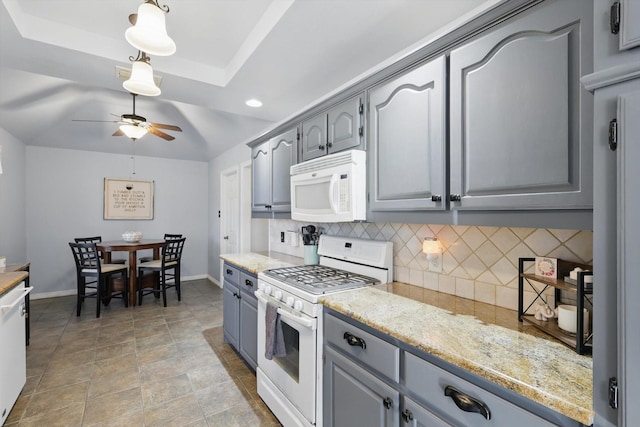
(248, 283)
(231, 274)
(427, 383)
(364, 347)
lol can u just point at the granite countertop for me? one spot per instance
(10, 280)
(256, 262)
(483, 339)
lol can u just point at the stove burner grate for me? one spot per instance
(319, 279)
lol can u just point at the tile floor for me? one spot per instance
(141, 366)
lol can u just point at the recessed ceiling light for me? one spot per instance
(254, 103)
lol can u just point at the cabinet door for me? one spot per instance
(261, 177)
(416, 415)
(521, 134)
(344, 125)
(628, 252)
(629, 24)
(314, 137)
(249, 328)
(407, 140)
(354, 397)
(441, 389)
(230, 313)
(283, 155)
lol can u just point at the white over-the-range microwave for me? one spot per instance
(331, 188)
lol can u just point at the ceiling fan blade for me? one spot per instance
(161, 134)
(168, 127)
(96, 121)
(118, 133)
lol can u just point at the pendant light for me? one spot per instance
(132, 131)
(141, 80)
(149, 32)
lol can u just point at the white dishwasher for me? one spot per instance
(13, 353)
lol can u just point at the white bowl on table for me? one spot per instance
(132, 236)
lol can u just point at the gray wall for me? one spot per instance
(232, 157)
(13, 245)
(64, 199)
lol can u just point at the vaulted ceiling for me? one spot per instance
(58, 62)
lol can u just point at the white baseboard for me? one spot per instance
(43, 295)
(68, 292)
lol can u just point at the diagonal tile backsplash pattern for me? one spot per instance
(479, 263)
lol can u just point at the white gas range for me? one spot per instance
(290, 384)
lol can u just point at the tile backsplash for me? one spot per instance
(479, 263)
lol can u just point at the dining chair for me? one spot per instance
(166, 268)
(89, 265)
(98, 239)
(166, 237)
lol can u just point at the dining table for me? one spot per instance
(132, 247)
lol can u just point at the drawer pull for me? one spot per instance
(354, 340)
(407, 415)
(248, 282)
(229, 271)
(466, 402)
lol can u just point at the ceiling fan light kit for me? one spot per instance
(149, 33)
(133, 131)
(141, 81)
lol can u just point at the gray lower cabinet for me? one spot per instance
(240, 312)
(354, 397)
(231, 313)
(520, 122)
(340, 128)
(371, 379)
(271, 161)
(407, 140)
(248, 310)
(416, 415)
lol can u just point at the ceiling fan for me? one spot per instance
(134, 126)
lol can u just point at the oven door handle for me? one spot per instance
(298, 320)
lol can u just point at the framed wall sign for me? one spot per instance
(128, 199)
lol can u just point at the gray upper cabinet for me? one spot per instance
(261, 177)
(337, 129)
(314, 137)
(616, 39)
(406, 145)
(271, 163)
(628, 16)
(520, 122)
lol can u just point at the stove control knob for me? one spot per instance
(289, 301)
(278, 294)
(267, 290)
(297, 305)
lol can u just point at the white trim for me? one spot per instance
(55, 294)
(610, 76)
(72, 292)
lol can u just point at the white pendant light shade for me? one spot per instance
(133, 132)
(149, 34)
(141, 80)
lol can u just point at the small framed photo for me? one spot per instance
(546, 267)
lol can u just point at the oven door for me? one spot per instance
(294, 374)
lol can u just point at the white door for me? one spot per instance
(229, 211)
